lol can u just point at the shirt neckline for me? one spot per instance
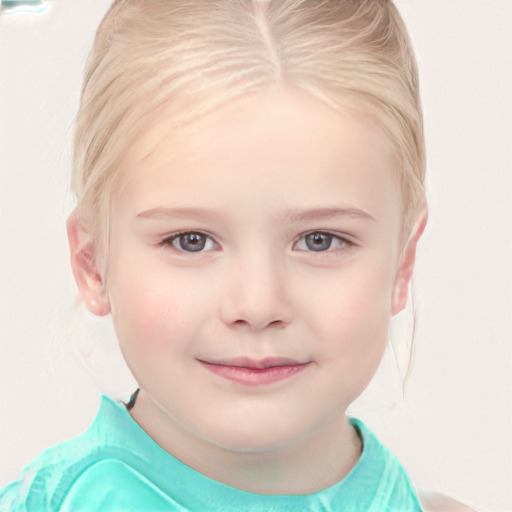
(169, 473)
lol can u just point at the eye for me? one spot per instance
(319, 241)
(191, 241)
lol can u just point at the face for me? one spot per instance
(253, 260)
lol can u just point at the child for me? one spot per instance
(249, 181)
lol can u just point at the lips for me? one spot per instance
(252, 372)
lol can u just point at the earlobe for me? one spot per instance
(88, 277)
(406, 266)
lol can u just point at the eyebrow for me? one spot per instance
(298, 215)
(181, 213)
(327, 213)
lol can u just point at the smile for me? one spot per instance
(250, 372)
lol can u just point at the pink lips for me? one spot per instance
(255, 372)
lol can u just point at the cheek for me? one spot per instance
(363, 297)
(155, 309)
(147, 319)
(355, 312)
(158, 317)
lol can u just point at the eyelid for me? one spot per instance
(167, 241)
(341, 237)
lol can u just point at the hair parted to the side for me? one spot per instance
(197, 55)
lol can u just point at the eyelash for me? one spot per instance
(170, 241)
(343, 242)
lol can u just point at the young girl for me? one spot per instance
(249, 178)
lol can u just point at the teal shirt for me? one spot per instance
(116, 466)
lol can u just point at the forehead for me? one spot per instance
(280, 143)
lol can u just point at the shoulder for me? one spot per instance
(380, 477)
(46, 480)
(432, 501)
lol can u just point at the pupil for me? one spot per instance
(318, 242)
(192, 242)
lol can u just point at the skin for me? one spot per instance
(255, 178)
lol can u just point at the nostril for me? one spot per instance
(255, 305)
(278, 323)
(256, 326)
(240, 323)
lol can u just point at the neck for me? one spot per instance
(306, 466)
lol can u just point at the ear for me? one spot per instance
(406, 265)
(84, 264)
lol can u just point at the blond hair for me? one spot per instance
(201, 54)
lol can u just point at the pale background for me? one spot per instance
(453, 432)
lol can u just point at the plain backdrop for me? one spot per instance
(453, 431)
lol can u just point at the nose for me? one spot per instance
(256, 295)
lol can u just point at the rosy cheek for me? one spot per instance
(158, 310)
(155, 320)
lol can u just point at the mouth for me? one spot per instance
(252, 372)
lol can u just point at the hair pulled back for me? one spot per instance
(197, 55)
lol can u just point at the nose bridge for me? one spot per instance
(257, 294)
